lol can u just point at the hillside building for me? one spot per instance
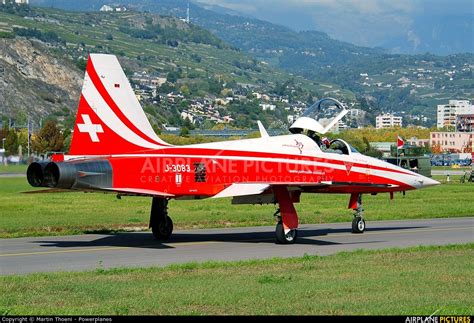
(465, 120)
(106, 8)
(384, 147)
(266, 106)
(387, 120)
(340, 125)
(16, 1)
(414, 141)
(446, 113)
(454, 142)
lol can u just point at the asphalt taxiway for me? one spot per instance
(139, 249)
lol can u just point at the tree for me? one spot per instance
(48, 139)
(11, 143)
(184, 132)
(23, 138)
(173, 76)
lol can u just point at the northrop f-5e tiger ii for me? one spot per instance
(115, 149)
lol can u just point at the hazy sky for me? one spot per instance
(362, 22)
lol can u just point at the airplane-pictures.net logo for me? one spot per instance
(228, 169)
(438, 319)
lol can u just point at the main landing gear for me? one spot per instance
(358, 223)
(287, 218)
(160, 223)
(283, 237)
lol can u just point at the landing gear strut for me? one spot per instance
(358, 223)
(287, 218)
(160, 223)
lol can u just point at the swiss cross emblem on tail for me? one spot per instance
(89, 127)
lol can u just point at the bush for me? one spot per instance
(5, 34)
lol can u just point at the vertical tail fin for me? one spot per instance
(109, 118)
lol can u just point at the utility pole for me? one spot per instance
(28, 136)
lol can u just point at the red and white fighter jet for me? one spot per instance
(114, 149)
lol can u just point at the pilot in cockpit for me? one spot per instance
(313, 135)
(326, 143)
(323, 143)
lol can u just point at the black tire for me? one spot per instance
(358, 225)
(283, 238)
(163, 229)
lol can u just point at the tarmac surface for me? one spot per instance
(12, 175)
(450, 172)
(139, 249)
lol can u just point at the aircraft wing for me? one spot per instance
(244, 189)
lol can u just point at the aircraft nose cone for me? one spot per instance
(424, 181)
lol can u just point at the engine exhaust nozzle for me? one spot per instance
(35, 174)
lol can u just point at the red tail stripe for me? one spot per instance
(108, 99)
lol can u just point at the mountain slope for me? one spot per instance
(194, 63)
(410, 84)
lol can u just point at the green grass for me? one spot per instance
(13, 169)
(414, 281)
(75, 213)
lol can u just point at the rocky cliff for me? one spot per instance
(33, 80)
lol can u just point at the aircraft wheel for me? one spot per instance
(358, 225)
(283, 238)
(163, 229)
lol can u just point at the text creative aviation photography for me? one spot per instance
(192, 142)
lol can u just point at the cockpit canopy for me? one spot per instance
(308, 124)
(317, 118)
(339, 146)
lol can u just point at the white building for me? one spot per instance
(414, 141)
(17, 1)
(340, 125)
(387, 120)
(353, 113)
(106, 8)
(266, 106)
(186, 115)
(455, 142)
(447, 112)
(291, 118)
